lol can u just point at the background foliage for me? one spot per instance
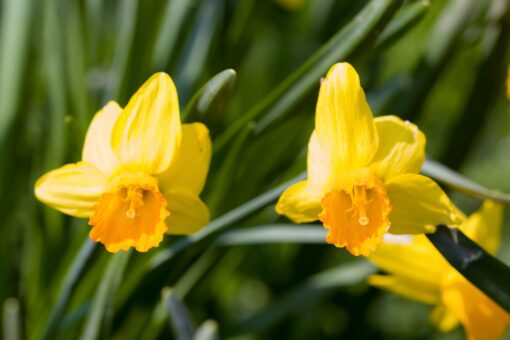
(440, 64)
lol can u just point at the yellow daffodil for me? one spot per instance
(363, 176)
(141, 172)
(419, 272)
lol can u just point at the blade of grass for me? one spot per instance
(208, 330)
(174, 18)
(15, 29)
(66, 288)
(456, 181)
(106, 290)
(289, 93)
(483, 270)
(273, 233)
(11, 320)
(180, 319)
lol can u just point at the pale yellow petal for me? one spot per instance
(413, 290)
(190, 165)
(320, 166)
(188, 213)
(98, 148)
(73, 189)
(401, 148)
(300, 203)
(148, 131)
(418, 205)
(415, 260)
(344, 123)
(484, 226)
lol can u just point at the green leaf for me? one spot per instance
(208, 330)
(273, 233)
(292, 90)
(314, 289)
(483, 270)
(105, 292)
(211, 98)
(66, 289)
(11, 320)
(458, 182)
(180, 319)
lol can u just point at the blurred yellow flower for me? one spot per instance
(419, 272)
(363, 176)
(141, 172)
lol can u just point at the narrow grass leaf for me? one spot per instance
(208, 330)
(180, 319)
(273, 233)
(453, 179)
(11, 320)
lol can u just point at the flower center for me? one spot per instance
(356, 212)
(131, 214)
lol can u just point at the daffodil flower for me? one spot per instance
(141, 172)
(418, 271)
(363, 176)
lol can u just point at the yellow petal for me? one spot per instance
(484, 226)
(415, 260)
(97, 148)
(418, 205)
(320, 166)
(401, 148)
(443, 318)
(73, 189)
(413, 290)
(344, 123)
(148, 131)
(300, 202)
(188, 213)
(482, 318)
(191, 163)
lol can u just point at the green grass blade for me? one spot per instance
(16, 21)
(208, 330)
(174, 18)
(290, 92)
(483, 270)
(273, 233)
(456, 181)
(180, 319)
(11, 320)
(107, 287)
(70, 281)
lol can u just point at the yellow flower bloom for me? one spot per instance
(363, 176)
(419, 272)
(141, 172)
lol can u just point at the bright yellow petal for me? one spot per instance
(300, 203)
(401, 148)
(482, 318)
(320, 166)
(344, 122)
(484, 226)
(148, 131)
(443, 318)
(418, 205)
(73, 189)
(188, 213)
(191, 163)
(413, 290)
(97, 148)
(413, 258)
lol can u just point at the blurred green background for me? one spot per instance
(440, 64)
